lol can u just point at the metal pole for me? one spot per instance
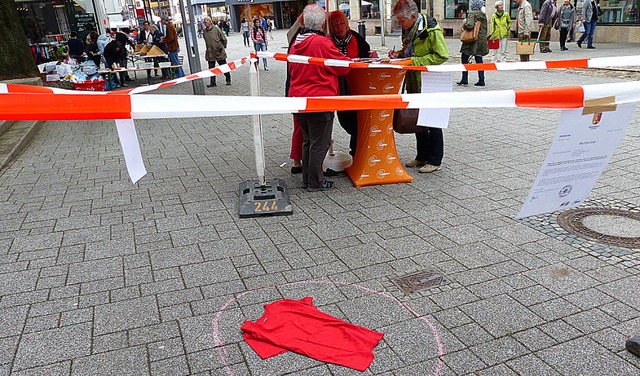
(383, 7)
(258, 139)
(192, 47)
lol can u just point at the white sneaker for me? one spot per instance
(429, 168)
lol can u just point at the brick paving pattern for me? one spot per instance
(99, 276)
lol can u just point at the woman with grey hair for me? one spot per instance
(315, 81)
(477, 48)
(423, 42)
(500, 26)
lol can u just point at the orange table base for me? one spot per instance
(376, 160)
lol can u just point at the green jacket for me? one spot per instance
(429, 48)
(479, 47)
(500, 26)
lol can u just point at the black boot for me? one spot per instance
(212, 83)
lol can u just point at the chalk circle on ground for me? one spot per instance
(222, 351)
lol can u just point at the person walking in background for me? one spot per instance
(524, 24)
(422, 41)
(589, 20)
(244, 26)
(216, 42)
(546, 20)
(478, 48)
(171, 39)
(259, 38)
(352, 45)
(500, 26)
(565, 21)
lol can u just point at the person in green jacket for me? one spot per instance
(499, 29)
(423, 42)
(478, 48)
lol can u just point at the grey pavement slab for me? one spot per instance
(101, 276)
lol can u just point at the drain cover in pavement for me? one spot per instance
(616, 227)
(421, 280)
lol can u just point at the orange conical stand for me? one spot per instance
(376, 160)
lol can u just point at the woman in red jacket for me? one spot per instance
(312, 81)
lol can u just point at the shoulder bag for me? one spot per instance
(405, 120)
(470, 36)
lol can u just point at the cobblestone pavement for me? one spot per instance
(99, 276)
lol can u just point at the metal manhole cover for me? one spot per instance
(581, 222)
(421, 280)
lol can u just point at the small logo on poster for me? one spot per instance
(565, 190)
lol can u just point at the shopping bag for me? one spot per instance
(525, 47)
(406, 121)
(494, 44)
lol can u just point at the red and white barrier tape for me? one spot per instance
(82, 106)
(597, 62)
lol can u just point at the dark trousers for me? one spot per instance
(316, 137)
(349, 122)
(430, 146)
(212, 64)
(545, 36)
(465, 75)
(563, 37)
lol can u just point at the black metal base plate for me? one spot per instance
(258, 201)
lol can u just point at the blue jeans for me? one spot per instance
(589, 30)
(173, 57)
(262, 46)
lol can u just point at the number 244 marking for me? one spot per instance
(264, 206)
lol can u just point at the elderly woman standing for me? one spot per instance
(565, 22)
(423, 42)
(478, 48)
(500, 26)
(314, 81)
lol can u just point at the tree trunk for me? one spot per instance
(16, 60)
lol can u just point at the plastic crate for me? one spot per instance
(90, 85)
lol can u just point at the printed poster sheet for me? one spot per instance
(581, 149)
(435, 82)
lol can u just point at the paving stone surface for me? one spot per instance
(101, 276)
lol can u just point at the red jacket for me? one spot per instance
(315, 80)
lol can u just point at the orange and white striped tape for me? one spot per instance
(597, 62)
(16, 104)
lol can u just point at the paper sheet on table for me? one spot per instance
(435, 82)
(579, 153)
(131, 149)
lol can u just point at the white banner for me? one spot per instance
(581, 149)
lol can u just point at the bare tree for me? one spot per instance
(16, 60)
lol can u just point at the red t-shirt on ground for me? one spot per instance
(299, 326)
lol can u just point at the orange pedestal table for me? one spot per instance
(376, 160)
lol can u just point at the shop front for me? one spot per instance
(283, 13)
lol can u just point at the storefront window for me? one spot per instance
(456, 8)
(535, 6)
(619, 11)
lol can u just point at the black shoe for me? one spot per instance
(124, 85)
(212, 85)
(330, 172)
(296, 170)
(548, 50)
(591, 47)
(325, 186)
(544, 51)
(479, 83)
(228, 83)
(579, 44)
(461, 83)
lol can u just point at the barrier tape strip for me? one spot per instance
(596, 62)
(53, 106)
